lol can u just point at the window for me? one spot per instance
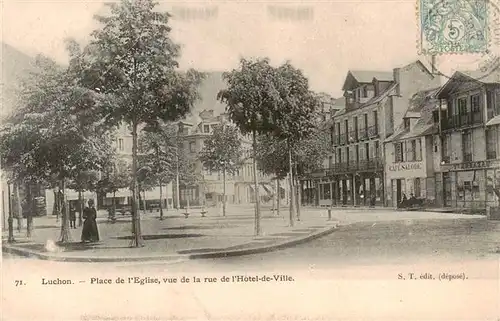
(356, 156)
(346, 127)
(418, 150)
(365, 92)
(375, 121)
(398, 152)
(339, 155)
(367, 151)
(491, 143)
(462, 106)
(475, 102)
(192, 147)
(377, 149)
(330, 161)
(355, 128)
(332, 135)
(406, 122)
(412, 148)
(206, 128)
(120, 144)
(445, 152)
(435, 116)
(467, 146)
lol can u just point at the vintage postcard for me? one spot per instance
(250, 160)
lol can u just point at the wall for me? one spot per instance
(404, 169)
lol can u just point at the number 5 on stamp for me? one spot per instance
(453, 26)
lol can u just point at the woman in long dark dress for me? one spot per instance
(90, 233)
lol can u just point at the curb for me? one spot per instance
(12, 249)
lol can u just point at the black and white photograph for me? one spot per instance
(250, 160)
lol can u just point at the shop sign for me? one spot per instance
(405, 167)
(470, 165)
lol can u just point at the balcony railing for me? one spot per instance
(353, 166)
(491, 154)
(467, 157)
(373, 131)
(363, 133)
(463, 120)
(445, 159)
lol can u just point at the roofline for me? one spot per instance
(452, 78)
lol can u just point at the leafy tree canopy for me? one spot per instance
(222, 150)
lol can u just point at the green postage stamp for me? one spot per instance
(454, 26)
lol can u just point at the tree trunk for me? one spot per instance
(161, 201)
(224, 192)
(65, 232)
(297, 198)
(290, 180)
(29, 213)
(279, 197)
(113, 204)
(144, 202)
(19, 208)
(137, 240)
(274, 198)
(80, 210)
(256, 184)
(57, 204)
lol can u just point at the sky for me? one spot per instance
(331, 38)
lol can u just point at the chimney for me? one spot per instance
(433, 65)
(397, 79)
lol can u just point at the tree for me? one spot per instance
(272, 159)
(293, 118)
(115, 175)
(133, 59)
(85, 180)
(222, 152)
(158, 163)
(251, 97)
(54, 133)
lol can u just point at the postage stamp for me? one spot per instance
(453, 26)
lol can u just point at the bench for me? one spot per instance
(203, 210)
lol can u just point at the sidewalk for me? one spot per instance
(178, 238)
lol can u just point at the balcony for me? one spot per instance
(373, 131)
(445, 159)
(363, 133)
(459, 121)
(353, 166)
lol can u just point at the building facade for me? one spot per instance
(469, 140)
(209, 190)
(374, 101)
(410, 168)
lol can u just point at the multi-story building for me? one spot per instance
(209, 190)
(410, 153)
(469, 144)
(375, 101)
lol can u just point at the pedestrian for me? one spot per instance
(72, 216)
(404, 201)
(90, 233)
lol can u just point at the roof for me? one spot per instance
(365, 76)
(490, 76)
(423, 103)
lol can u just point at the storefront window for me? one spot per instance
(325, 191)
(417, 187)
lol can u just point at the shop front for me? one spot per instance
(473, 185)
(407, 180)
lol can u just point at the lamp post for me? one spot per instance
(10, 220)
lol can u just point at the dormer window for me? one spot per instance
(206, 128)
(407, 123)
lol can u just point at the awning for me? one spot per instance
(494, 121)
(262, 190)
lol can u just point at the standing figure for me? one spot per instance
(90, 233)
(72, 216)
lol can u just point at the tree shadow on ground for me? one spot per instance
(159, 236)
(197, 227)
